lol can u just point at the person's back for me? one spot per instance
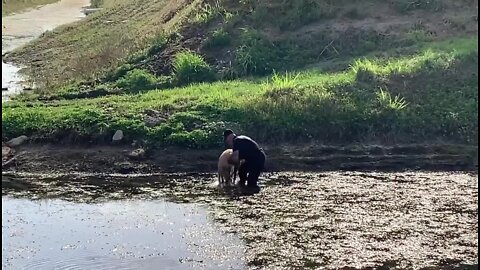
(248, 148)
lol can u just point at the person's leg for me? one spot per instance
(254, 172)
(242, 174)
(253, 177)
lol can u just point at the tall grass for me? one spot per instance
(189, 67)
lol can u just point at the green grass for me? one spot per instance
(236, 38)
(426, 96)
(16, 6)
(189, 67)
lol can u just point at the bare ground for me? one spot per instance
(51, 158)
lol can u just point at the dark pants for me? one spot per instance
(251, 169)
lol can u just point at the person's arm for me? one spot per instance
(234, 158)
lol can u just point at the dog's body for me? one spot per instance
(226, 171)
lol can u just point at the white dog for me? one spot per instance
(226, 171)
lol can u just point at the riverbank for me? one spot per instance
(427, 96)
(47, 159)
(21, 28)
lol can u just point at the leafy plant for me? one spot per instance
(137, 80)
(190, 67)
(386, 100)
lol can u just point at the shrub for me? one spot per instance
(219, 38)
(255, 55)
(119, 72)
(137, 80)
(190, 67)
(158, 44)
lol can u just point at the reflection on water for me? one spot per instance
(125, 234)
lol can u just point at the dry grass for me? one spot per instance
(14, 6)
(87, 48)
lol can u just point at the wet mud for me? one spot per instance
(108, 159)
(301, 220)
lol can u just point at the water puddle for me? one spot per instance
(19, 29)
(122, 234)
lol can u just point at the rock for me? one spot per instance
(17, 141)
(118, 136)
(151, 121)
(137, 154)
(124, 167)
(6, 152)
(151, 112)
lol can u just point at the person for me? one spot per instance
(253, 157)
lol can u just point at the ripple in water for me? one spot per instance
(127, 234)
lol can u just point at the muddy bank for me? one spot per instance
(331, 220)
(42, 158)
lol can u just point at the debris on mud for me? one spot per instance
(332, 220)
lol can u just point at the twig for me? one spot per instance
(325, 48)
(6, 163)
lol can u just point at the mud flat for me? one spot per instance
(331, 220)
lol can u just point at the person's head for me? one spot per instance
(228, 137)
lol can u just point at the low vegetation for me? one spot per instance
(15, 6)
(429, 93)
(236, 38)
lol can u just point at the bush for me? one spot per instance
(137, 80)
(189, 67)
(255, 55)
(158, 44)
(219, 38)
(119, 72)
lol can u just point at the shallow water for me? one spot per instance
(124, 234)
(329, 220)
(19, 29)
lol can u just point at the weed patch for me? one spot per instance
(189, 67)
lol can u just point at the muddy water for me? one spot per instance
(124, 234)
(302, 220)
(19, 29)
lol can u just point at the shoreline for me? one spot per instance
(120, 159)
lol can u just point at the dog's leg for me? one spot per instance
(220, 177)
(228, 176)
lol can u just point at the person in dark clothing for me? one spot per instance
(247, 150)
